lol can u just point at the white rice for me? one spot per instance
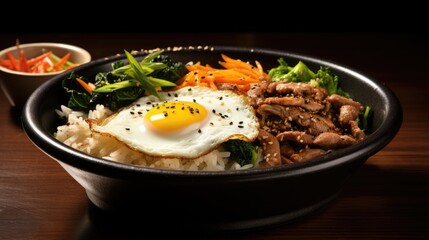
(77, 134)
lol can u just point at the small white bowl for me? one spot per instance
(18, 86)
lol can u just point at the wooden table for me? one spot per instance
(388, 198)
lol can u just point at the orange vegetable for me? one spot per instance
(236, 72)
(62, 61)
(23, 62)
(38, 58)
(89, 87)
(14, 62)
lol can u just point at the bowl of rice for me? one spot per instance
(234, 143)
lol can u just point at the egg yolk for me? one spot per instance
(174, 116)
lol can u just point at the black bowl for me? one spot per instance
(220, 201)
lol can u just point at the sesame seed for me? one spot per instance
(199, 130)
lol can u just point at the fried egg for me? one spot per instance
(186, 124)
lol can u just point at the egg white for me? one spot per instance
(229, 116)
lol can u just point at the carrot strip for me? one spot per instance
(89, 88)
(62, 61)
(37, 59)
(23, 62)
(13, 61)
(5, 63)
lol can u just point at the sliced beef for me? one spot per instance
(270, 148)
(307, 153)
(330, 140)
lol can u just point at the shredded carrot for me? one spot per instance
(87, 86)
(63, 60)
(37, 59)
(14, 62)
(236, 72)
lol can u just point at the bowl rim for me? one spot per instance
(374, 142)
(87, 56)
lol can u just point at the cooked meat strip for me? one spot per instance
(330, 140)
(356, 131)
(270, 147)
(339, 101)
(307, 153)
(315, 124)
(301, 89)
(286, 160)
(318, 125)
(295, 101)
(257, 93)
(348, 113)
(300, 138)
(286, 149)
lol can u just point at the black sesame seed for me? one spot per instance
(176, 95)
(213, 111)
(240, 126)
(132, 113)
(128, 129)
(230, 123)
(199, 130)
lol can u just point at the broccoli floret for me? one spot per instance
(326, 79)
(299, 73)
(277, 73)
(241, 151)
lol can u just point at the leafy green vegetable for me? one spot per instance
(126, 82)
(365, 118)
(242, 152)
